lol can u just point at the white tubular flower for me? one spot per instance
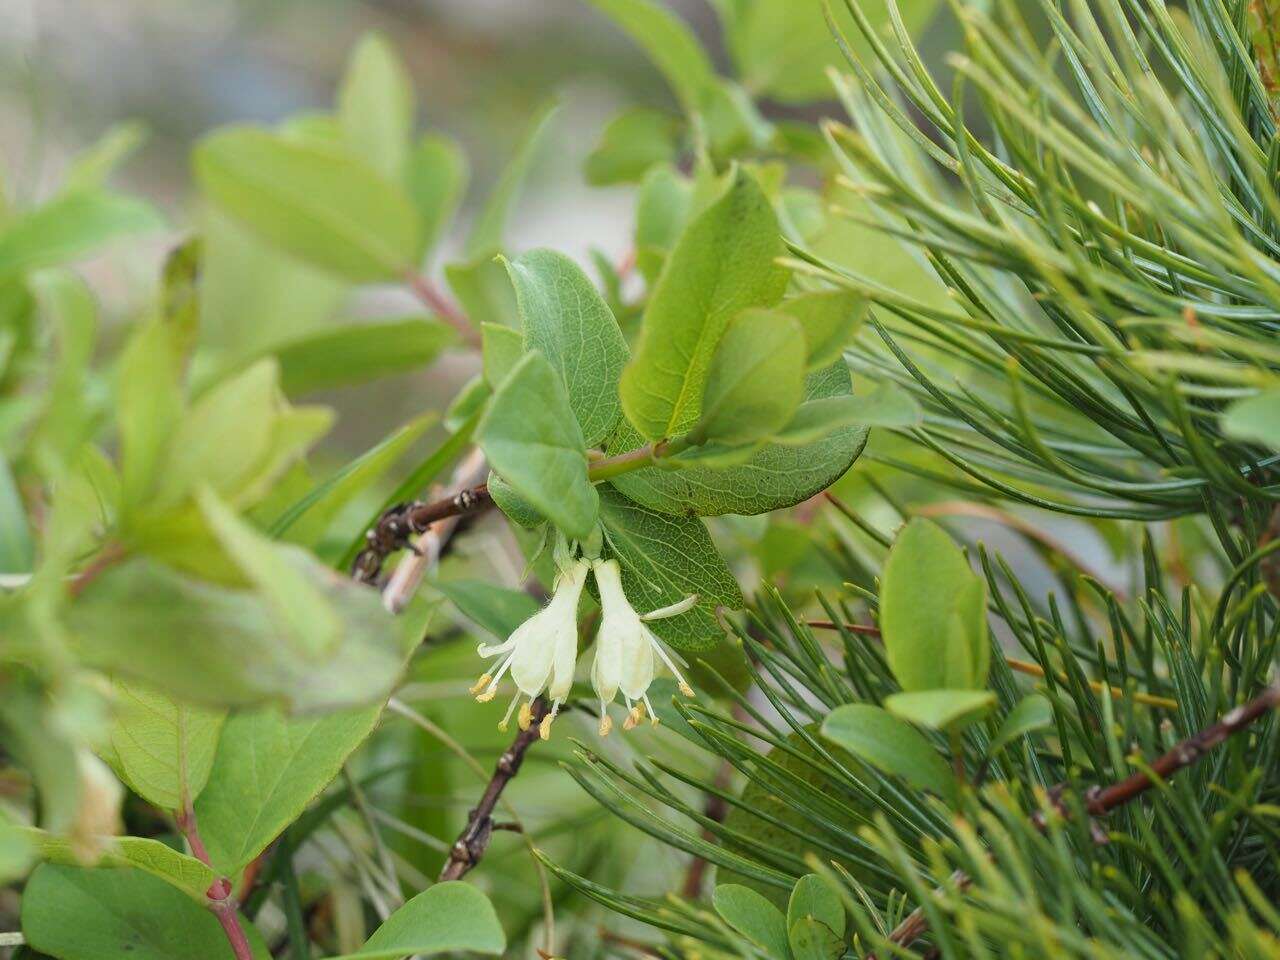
(625, 650)
(541, 653)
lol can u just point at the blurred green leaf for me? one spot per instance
(360, 352)
(756, 378)
(776, 476)
(662, 209)
(723, 263)
(891, 745)
(501, 347)
(443, 918)
(298, 605)
(669, 43)
(95, 165)
(327, 498)
(830, 318)
(483, 289)
(154, 857)
(148, 407)
(376, 106)
(533, 440)
(665, 559)
(17, 552)
(494, 608)
(323, 207)
(515, 507)
(941, 709)
(70, 227)
(67, 421)
(633, 141)
(487, 235)
(219, 646)
(78, 914)
(936, 639)
(162, 748)
(565, 319)
(268, 768)
(754, 917)
(783, 48)
(1033, 712)
(436, 178)
(1256, 419)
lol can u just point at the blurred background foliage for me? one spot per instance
(71, 70)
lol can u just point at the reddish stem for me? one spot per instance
(431, 295)
(221, 903)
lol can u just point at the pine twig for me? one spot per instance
(1100, 801)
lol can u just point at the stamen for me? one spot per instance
(653, 717)
(684, 686)
(525, 720)
(483, 682)
(506, 717)
(544, 728)
(490, 692)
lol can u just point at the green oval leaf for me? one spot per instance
(890, 745)
(443, 918)
(319, 204)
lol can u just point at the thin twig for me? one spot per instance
(468, 848)
(1100, 801)
(429, 545)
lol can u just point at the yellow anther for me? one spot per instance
(686, 689)
(487, 695)
(481, 684)
(606, 724)
(544, 728)
(526, 716)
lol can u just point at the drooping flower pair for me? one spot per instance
(541, 654)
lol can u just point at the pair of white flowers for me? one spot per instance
(543, 651)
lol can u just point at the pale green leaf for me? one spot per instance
(268, 768)
(69, 228)
(941, 709)
(443, 918)
(814, 898)
(17, 552)
(92, 168)
(662, 210)
(533, 440)
(94, 914)
(723, 263)
(302, 612)
(150, 856)
(514, 506)
(756, 378)
(565, 319)
(927, 650)
(376, 106)
(891, 745)
(669, 43)
(359, 352)
(1256, 419)
(162, 748)
(501, 347)
(1033, 712)
(754, 917)
(830, 319)
(320, 205)
(436, 178)
(633, 141)
(774, 477)
(219, 646)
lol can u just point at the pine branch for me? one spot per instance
(1100, 801)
